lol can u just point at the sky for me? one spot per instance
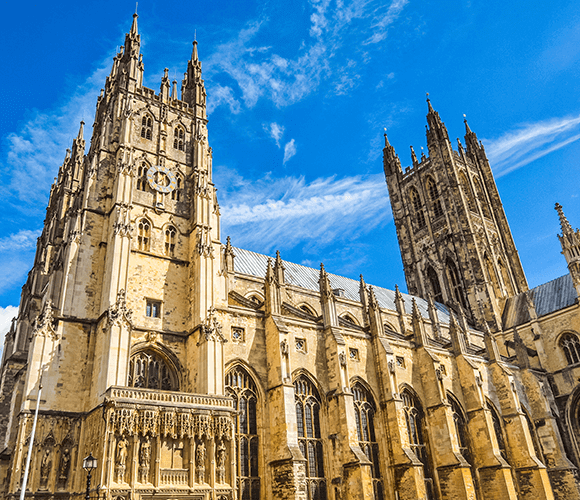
(299, 94)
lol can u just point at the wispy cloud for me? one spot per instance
(527, 143)
(37, 149)
(289, 150)
(6, 315)
(22, 240)
(284, 212)
(275, 131)
(259, 72)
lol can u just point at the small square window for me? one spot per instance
(400, 362)
(153, 309)
(353, 354)
(238, 334)
(301, 345)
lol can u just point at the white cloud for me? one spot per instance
(531, 141)
(275, 131)
(284, 212)
(289, 150)
(22, 240)
(6, 315)
(259, 72)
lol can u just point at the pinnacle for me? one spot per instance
(81, 131)
(194, 56)
(387, 144)
(431, 110)
(134, 30)
(564, 224)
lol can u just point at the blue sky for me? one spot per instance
(298, 94)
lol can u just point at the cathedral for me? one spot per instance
(192, 369)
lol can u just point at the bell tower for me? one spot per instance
(453, 233)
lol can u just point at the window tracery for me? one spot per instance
(147, 127)
(142, 177)
(467, 191)
(176, 193)
(482, 199)
(149, 370)
(170, 233)
(417, 207)
(434, 196)
(456, 286)
(498, 430)
(178, 139)
(241, 387)
(435, 286)
(144, 235)
(309, 437)
(414, 417)
(570, 344)
(365, 410)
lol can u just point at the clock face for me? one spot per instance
(161, 179)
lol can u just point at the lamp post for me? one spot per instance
(89, 464)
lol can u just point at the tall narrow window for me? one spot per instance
(482, 199)
(417, 207)
(150, 371)
(365, 410)
(241, 387)
(455, 283)
(417, 437)
(142, 177)
(170, 241)
(178, 139)
(434, 196)
(309, 438)
(571, 346)
(146, 127)
(144, 235)
(176, 193)
(435, 286)
(498, 430)
(467, 191)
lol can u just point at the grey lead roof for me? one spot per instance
(254, 264)
(548, 298)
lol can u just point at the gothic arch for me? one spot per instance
(505, 277)
(238, 362)
(349, 318)
(433, 192)
(455, 282)
(146, 125)
(142, 182)
(144, 227)
(568, 342)
(303, 372)
(358, 380)
(146, 356)
(307, 308)
(572, 419)
(467, 192)
(170, 235)
(434, 283)
(417, 206)
(498, 429)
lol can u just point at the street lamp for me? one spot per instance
(89, 464)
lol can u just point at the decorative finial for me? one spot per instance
(564, 224)
(386, 139)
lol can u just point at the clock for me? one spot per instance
(161, 179)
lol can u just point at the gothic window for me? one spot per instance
(482, 199)
(434, 196)
(178, 139)
(142, 177)
(417, 207)
(460, 422)
(491, 272)
(570, 343)
(176, 193)
(170, 241)
(146, 127)
(365, 410)
(498, 430)
(435, 286)
(454, 281)
(534, 436)
(309, 437)
(467, 191)
(417, 436)
(148, 370)
(241, 387)
(307, 310)
(144, 235)
(505, 278)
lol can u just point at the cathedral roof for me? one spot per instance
(547, 298)
(254, 264)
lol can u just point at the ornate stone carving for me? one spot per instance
(120, 312)
(202, 426)
(223, 428)
(144, 460)
(200, 462)
(221, 462)
(45, 468)
(121, 460)
(168, 425)
(45, 323)
(212, 329)
(64, 467)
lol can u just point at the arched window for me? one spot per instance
(147, 127)
(467, 191)
(170, 233)
(491, 272)
(498, 430)
(570, 343)
(149, 370)
(417, 207)
(144, 235)
(309, 437)
(460, 422)
(482, 199)
(307, 310)
(241, 387)
(508, 289)
(434, 196)
(365, 410)
(176, 193)
(142, 177)
(455, 283)
(178, 138)
(435, 286)
(349, 319)
(418, 437)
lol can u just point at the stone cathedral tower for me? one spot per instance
(455, 240)
(129, 256)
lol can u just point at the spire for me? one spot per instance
(194, 56)
(279, 269)
(467, 129)
(387, 143)
(431, 110)
(229, 256)
(134, 31)
(327, 300)
(391, 163)
(364, 299)
(174, 90)
(193, 88)
(470, 138)
(81, 131)
(414, 157)
(436, 130)
(564, 224)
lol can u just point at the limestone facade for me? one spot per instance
(194, 369)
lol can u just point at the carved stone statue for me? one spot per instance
(221, 462)
(45, 467)
(200, 462)
(144, 461)
(121, 459)
(64, 466)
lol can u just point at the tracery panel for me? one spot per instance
(147, 369)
